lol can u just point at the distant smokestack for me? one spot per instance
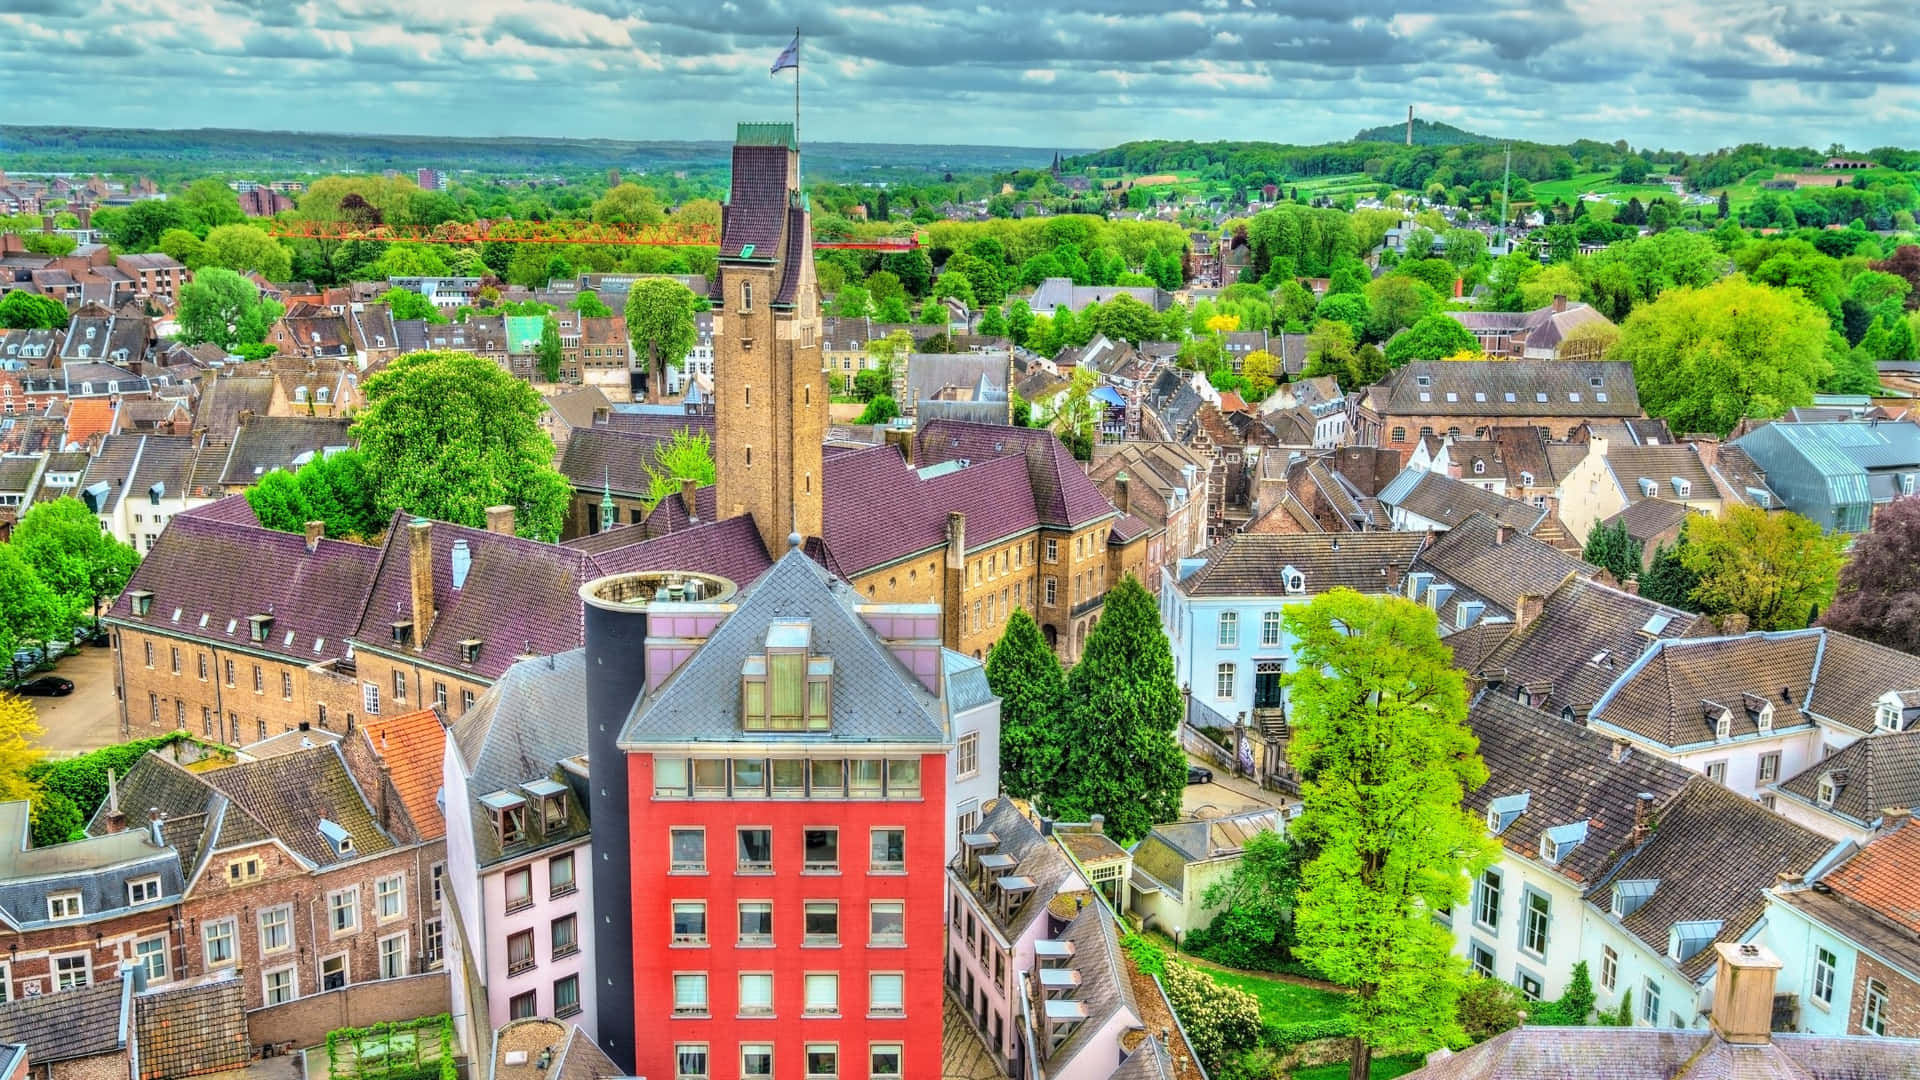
(1409, 125)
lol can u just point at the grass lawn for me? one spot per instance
(1383, 1068)
(1282, 1002)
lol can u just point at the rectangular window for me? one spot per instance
(886, 994)
(789, 779)
(343, 911)
(1769, 768)
(967, 758)
(370, 698)
(1270, 628)
(1486, 900)
(389, 897)
(669, 777)
(466, 700)
(174, 650)
(865, 778)
(434, 951)
(690, 922)
(259, 679)
(393, 956)
(822, 924)
(903, 776)
(566, 996)
(756, 994)
(143, 891)
(520, 954)
(885, 1062)
(217, 941)
(756, 1060)
(1229, 630)
(1534, 932)
(200, 660)
(823, 994)
(823, 1061)
(440, 694)
(149, 651)
(400, 687)
(1717, 771)
(689, 851)
(690, 994)
(750, 778)
(564, 936)
(523, 1006)
(889, 851)
(1482, 961)
(278, 986)
(756, 851)
(64, 906)
(519, 889)
(1223, 680)
(823, 850)
(710, 778)
(1824, 964)
(1873, 1015)
(690, 1059)
(228, 664)
(1053, 550)
(560, 880)
(276, 928)
(153, 954)
(1050, 591)
(1649, 1002)
(72, 972)
(1609, 967)
(756, 922)
(887, 923)
(333, 972)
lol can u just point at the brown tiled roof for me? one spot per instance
(1474, 556)
(1713, 853)
(1570, 774)
(1853, 675)
(1448, 501)
(1254, 564)
(1580, 620)
(1674, 694)
(78, 1023)
(210, 576)
(1632, 1053)
(1482, 388)
(616, 459)
(1647, 519)
(285, 798)
(1660, 464)
(193, 1028)
(757, 202)
(575, 408)
(225, 397)
(1869, 775)
(412, 745)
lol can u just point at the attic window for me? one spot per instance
(1526, 478)
(1600, 396)
(1296, 582)
(552, 797)
(509, 815)
(1682, 486)
(1558, 842)
(1824, 793)
(1423, 380)
(469, 650)
(1628, 896)
(1502, 811)
(1451, 396)
(786, 688)
(142, 602)
(261, 625)
(1594, 381)
(337, 837)
(1479, 467)
(1685, 940)
(1723, 726)
(1479, 395)
(1540, 397)
(1764, 718)
(1887, 716)
(1509, 397)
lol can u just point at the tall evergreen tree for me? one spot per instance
(549, 350)
(1026, 675)
(1611, 549)
(1123, 755)
(1667, 580)
(1380, 735)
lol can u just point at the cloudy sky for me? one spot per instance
(1680, 73)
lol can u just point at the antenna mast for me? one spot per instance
(1506, 184)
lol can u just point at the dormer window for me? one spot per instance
(142, 602)
(786, 688)
(509, 811)
(1295, 581)
(1479, 467)
(1628, 896)
(550, 798)
(1823, 794)
(1764, 718)
(1723, 726)
(1502, 811)
(1423, 380)
(1558, 842)
(337, 837)
(261, 626)
(1682, 487)
(469, 650)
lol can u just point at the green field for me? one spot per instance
(1383, 1068)
(1603, 182)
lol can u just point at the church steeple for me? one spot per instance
(770, 392)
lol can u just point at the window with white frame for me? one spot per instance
(1482, 961)
(433, 950)
(822, 993)
(756, 922)
(152, 954)
(756, 993)
(1769, 769)
(333, 972)
(1717, 771)
(885, 1062)
(1649, 1002)
(64, 906)
(1270, 628)
(1609, 966)
(1873, 1014)
(1533, 932)
(143, 891)
(689, 922)
(343, 911)
(278, 986)
(389, 897)
(1223, 679)
(690, 1059)
(1486, 899)
(886, 922)
(1528, 983)
(393, 956)
(1229, 629)
(690, 993)
(1824, 791)
(72, 972)
(276, 928)
(756, 1060)
(370, 698)
(967, 755)
(217, 942)
(1824, 964)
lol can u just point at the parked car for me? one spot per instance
(45, 686)
(28, 658)
(92, 635)
(1199, 774)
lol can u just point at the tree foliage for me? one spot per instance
(1611, 549)
(660, 327)
(30, 613)
(225, 309)
(1220, 1021)
(686, 455)
(1380, 736)
(82, 564)
(1878, 598)
(448, 434)
(1253, 924)
(1026, 675)
(548, 352)
(335, 490)
(243, 248)
(881, 409)
(407, 304)
(1123, 755)
(23, 310)
(1777, 568)
(1705, 358)
(1434, 337)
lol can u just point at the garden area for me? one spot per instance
(420, 1049)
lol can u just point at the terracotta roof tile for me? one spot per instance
(1885, 876)
(413, 744)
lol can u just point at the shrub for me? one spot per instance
(1258, 1063)
(1283, 1036)
(1238, 939)
(56, 819)
(1220, 1021)
(1148, 956)
(1487, 1008)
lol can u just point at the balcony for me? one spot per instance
(521, 966)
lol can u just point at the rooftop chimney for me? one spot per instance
(1743, 993)
(1122, 500)
(116, 817)
(1527, 609)
(315, 530)
(1502, 534)
(420, 561)
(689, 501)
(1559, 302)
(154, 818)
(1893, 817)
(500, 520)
(1642, 817)
(1098, 823)
(951, 603)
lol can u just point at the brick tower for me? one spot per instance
(770, 393)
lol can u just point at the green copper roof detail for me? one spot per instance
(766, 135)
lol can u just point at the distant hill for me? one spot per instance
(1425, 133)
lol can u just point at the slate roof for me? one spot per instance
(875, 699)
(1713, 852)
(1870, 775)
(576, 407)
(1062, 494)
(1673, 694)
(1579, 620)
(756, 202)
(1570, 774)
(412, 745)
(1147, 1062)
(531, 717)
(210, 576)
(225, 397)
(660, 423)
(1254, 564)
(1447, 501)
(480, 334)
(1509, 388)
(98, 868)
(992, 493)
(1036, 858)
(1634, 1053)
(1660, 464)
(1473, 557)
(265, 443)
(610, 457)
(285, 797)
(1853, 674)
(1105, 988)
(85, 1022)
(930, 375)
(731, 549)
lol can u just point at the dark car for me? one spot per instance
(45, 686)
(93, 636)
(1199, 774)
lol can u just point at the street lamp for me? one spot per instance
(1176, 940)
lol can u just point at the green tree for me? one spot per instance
(627, 204)
(851, 302)
(1380, 736)
(685, 455)
(211, 204)
(881, 409)
(590, 306)
(1667, 579)
(83, 565)
(1705, 358)
(1394, 303)
(1611, 549)
(1220, 1021)
(660, 327)
(139, 228)
(1125, 319)
(22, 310)
(954, 284)
(243, 248)
(914, 269)
(1076, 416)
(221, 307)
(993, 323)
(340, 493)
(279, 503)
(181, 244)
(892, 309)
(29, 611)
(1026, 675)
(1253, 924)
(1123, 759)
(1777, 568)
(448, 434)
(548, 352)
(407, 304)
(1434, 337)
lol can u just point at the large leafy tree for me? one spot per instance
(627, 204)
(1705, 358)
(447, 434)
(407, 304)
(1778, 569)
(1879, 593)
(1026, 675)
(1123, 755)
(1395, 302)
(22, 310)
(334, 490)
(685, 455)
(1380, 737)
(29, 610)
(1434, 337)
(245, 247)
(1667, 579)
(221, 307)
(82, 565)
(211, 204)
(660, 327)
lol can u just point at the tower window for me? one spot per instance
(749, 457)
(746, 296)
(746, 396)
(806, 395)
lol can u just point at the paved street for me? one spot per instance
(87, 719)
(1226, 795)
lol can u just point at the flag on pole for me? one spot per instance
(789, 57)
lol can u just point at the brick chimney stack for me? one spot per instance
(1123, 500)
(1527, 609)
(689, 498)
(420, 562)
(1743, 993)
(500, 520)
(1559, 302)
(956, 580)
(116, 817)
(315, 530)
(1642, 816)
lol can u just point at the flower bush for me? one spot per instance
(1220, 1021)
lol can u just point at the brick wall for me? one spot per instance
(112, 1066)
(211, 707)
(306, 1022)
(1903, 998)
